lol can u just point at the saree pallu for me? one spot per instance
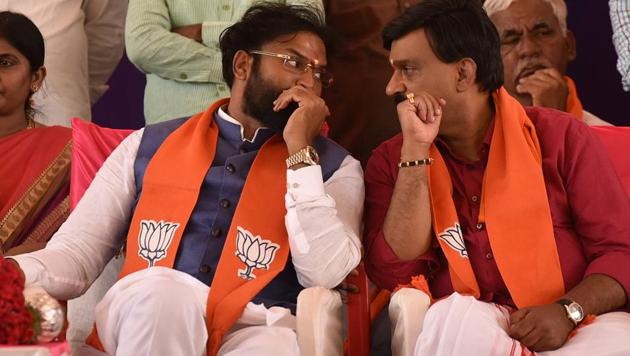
(34, 186)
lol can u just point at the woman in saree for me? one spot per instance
(34, 159)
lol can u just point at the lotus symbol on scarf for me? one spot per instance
(454, 238)
(254, 252)
(154, 239)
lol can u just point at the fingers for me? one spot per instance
(344, 288)
(546, 87)
(533, 338)
(425, 106)
(552, 73)
(518, 315)
(302, 97)
(296, 93)
(524, 330)
(348, 287)
(519, 325)
(541, 80)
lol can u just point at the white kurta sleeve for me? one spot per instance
(324, 222)
(94, 231)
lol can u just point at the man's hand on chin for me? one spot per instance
(306, 121)
(541, 328)
(547, 88)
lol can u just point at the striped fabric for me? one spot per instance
(620, 19)
(183, 77)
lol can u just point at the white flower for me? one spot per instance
(254, 252)
(154, 239)
(454, 238)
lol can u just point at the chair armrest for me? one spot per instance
(319, 322)
(406, 314)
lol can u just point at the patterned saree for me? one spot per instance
(34, 186)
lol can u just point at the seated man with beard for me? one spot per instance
(235, 210)
(536, 48)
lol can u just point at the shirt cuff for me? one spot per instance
(608, 264)
(30, 266)
(305, 183)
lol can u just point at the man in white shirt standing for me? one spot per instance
(84, 43)
(246, 203)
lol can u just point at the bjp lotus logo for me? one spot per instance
(454, 238)
(254, 252)
(154, 239)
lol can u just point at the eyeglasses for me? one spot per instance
(299, 65)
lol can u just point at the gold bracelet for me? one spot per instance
(420, 162)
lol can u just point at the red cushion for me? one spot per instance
(616, 140)
(91, 145)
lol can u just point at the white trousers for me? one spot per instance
(462, 325)
(160, 311)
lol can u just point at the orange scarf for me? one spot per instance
(514, 207)
(574, 105)
(256, 249)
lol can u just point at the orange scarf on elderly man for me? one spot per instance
(514, 208)
(574, 105)
(256, 249)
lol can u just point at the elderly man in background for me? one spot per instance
(536, 48)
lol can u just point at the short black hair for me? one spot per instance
(455, 29)
(266, 21)
(24, 36)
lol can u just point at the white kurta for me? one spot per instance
(323, 223)
(462, 325)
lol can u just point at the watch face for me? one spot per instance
(312, 154)
(575, 311)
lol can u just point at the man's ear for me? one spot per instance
(571, 46)
(466, 74)
(242, 65)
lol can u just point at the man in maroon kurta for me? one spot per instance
(446, 60)
(588, 206)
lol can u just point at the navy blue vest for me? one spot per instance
(205, 234)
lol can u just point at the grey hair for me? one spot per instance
(559, 8)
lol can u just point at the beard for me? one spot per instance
(258, 103)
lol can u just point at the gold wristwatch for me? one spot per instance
(307, 155)
(575, 313)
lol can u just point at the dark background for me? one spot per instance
(594, 71)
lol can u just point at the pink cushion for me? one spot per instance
(91, 145)
(616, 140)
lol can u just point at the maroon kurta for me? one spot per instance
(589, 208)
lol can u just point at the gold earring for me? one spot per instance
(34, 88)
